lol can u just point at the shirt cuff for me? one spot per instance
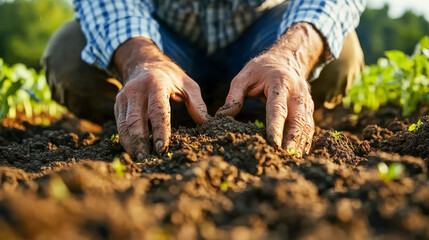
(332, 20)
(99, 50)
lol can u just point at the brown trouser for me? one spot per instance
(90, 93)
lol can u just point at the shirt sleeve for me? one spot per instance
(334, 19)
(107, 24)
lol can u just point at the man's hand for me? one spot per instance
(150, 79)
(280, 75)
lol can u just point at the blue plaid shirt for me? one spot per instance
(212, 24)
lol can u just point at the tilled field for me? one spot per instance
(220, 180)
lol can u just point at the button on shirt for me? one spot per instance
(211, 24)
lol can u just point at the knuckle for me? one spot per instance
(300, 119)
(133, 120)
(280, 108)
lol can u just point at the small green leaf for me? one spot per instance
(415, 126)
(59, 189)
(117, 165)
(114, 137)
(392, 172)
(292, 152)
(259, 124)
(336, 134)
(170, 155)
(224, 186)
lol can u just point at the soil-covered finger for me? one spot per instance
(121, 123)
(297, 126)
(195, 103)
(159, 115)
(234, 99)
(277, 112)
(137, 122)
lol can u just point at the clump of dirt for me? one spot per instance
(220, 180)
(413, 143)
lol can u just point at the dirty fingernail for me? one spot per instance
(159, 145)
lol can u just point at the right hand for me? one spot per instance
(151, 79)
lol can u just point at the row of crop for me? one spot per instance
(23, 90)
(397, 79)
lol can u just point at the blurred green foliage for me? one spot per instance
(25, 28)
(378, 32)
(25, 90)
(398, 79)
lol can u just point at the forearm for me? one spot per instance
(333, 19)
(303, 43)
(104, 22)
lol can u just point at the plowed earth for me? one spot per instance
(220, 180)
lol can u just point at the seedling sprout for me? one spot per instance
(224, 186)
(259, 124)
(392, 172)
(119, 168)
(415, 126)
(59, 189)
(337, 134)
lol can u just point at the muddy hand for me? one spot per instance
(151, 79)
(280, 76)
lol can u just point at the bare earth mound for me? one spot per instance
(217, 181)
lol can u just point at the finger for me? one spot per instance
(309, 142)
(159, 116)
(309, 132)
(137, 123)
(121, 122)
(297, 126)
(194, 102)
(277, 112)
(235, 97)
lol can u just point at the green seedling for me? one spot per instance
(292, 152)
(170, 155)
(259, 124)
(392, 172)
(415, 126)
(24, 90)
(118, 166)
(224, 186)
(336, 134)
(59, 189)
(397, 79)
(194, 146)
(114, 137)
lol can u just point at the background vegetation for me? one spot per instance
(379, 33)
(25, 28)
(28, 24)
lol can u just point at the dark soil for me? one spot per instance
(217, 181)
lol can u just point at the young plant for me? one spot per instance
(415, 126)
(224, 186)
(59, 189)
(259, 124)
(115, 137)
(292, 152)
(25, 90)
(336, 134)
(392, 172)
(170, 155)
(118, 167)
(398, 79)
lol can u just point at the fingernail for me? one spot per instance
(159, 145)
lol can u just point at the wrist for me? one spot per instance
(301, 45)
(134, 55)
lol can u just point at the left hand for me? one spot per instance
(280, 76)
